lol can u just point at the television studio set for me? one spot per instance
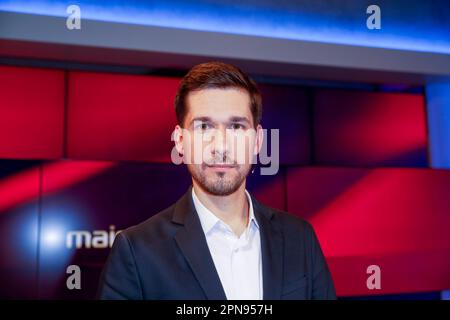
(225, 150)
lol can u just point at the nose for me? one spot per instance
(220, 146)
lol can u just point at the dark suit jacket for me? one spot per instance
(167, 257)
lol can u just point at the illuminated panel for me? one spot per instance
(31, 113)
(108, 194)
(19, 210)
(60, 215)
(438, 115)
(420, 27)
(120, 117)
(395, 218)
(369, 129)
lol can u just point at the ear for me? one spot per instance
(258, 140)
(178, 139)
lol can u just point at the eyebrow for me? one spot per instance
(202, 119)
(240, 119)
(233, 119)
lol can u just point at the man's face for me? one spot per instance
(219, 139)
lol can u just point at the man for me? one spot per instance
(217, 241)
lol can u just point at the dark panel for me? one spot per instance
(285, 108)
(19, 210)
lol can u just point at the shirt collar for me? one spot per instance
(208, 219)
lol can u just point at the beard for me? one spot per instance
(219, 183)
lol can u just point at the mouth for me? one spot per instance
(221, 167)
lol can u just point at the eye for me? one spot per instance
(237, 126)
(203, 126)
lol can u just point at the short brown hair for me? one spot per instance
(217, 75)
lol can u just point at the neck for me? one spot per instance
(232, 209)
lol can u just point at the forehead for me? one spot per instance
(218, 104)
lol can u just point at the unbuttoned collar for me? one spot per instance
(209, 220)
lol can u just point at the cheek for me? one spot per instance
(186, 149)
(193, 153)
(242, 149)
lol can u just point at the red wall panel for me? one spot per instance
(391, 217)
(270, 190)
(120, 117)
(354, 128)
(31, 113)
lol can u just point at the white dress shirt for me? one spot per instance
(237, 259)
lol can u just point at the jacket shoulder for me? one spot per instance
(289, 222)
(156, 228)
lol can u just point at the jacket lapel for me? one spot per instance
(192, 243)
(271, 251)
